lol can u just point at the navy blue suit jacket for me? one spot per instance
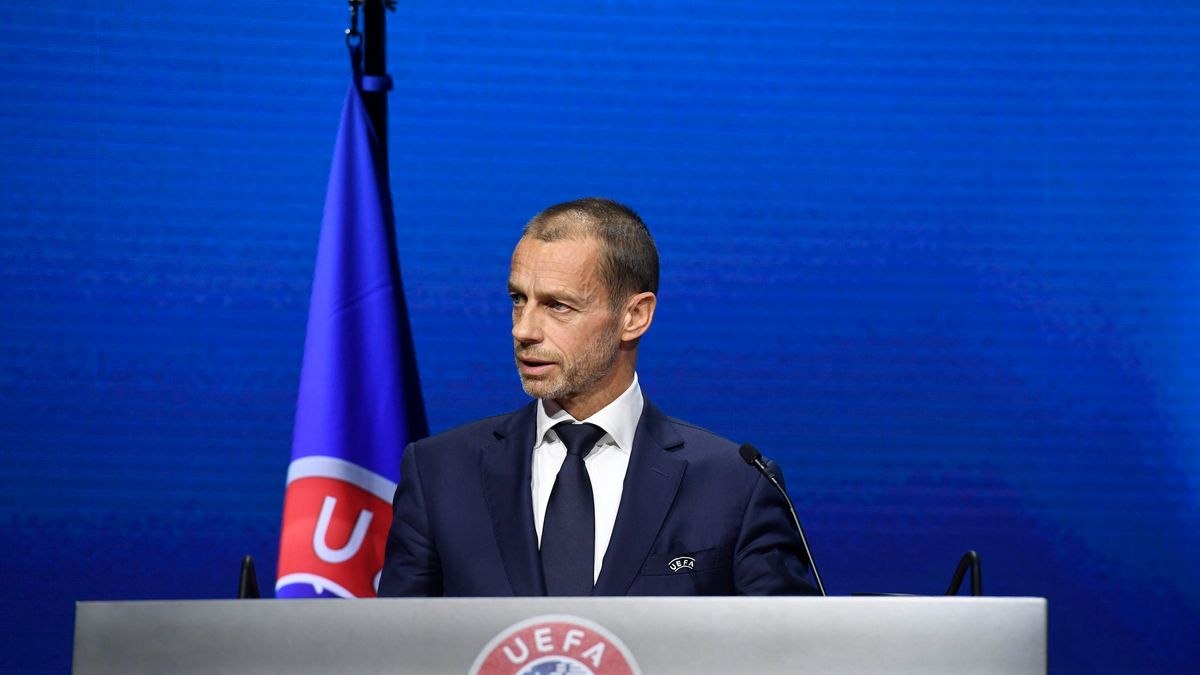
(463, 517)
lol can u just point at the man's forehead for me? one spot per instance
(564, 262)
(559, 255)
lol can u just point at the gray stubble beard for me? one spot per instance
(594, 363)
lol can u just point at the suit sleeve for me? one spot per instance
(769, 558)
(411, 566)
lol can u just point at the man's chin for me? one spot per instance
(539, 388)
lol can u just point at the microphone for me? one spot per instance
(248, 583)
(755, 459)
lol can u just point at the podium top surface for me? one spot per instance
(577, 635)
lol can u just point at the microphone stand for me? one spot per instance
(754, 458)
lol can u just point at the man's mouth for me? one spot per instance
(529, 365)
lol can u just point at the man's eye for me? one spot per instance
(516, 299)
(557, 306)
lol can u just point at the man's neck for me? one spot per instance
(619, 418)
(586, 404)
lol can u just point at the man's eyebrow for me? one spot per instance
(560, 293)
(567, 295)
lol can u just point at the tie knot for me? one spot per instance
(579, 438)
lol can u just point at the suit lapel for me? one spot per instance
(651, 482)
(506, 467)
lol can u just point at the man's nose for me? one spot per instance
(526, 327)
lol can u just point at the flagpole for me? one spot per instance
(375, 63)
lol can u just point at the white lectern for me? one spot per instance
(949, 635)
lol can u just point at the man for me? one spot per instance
(589, 489)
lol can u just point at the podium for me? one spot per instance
(577, 635)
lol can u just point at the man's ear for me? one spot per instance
(637, 316)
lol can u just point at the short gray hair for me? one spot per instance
(628, 256)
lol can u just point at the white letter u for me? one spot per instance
(346, 552)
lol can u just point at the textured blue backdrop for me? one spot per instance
(941, 261)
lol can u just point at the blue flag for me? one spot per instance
(360, 397)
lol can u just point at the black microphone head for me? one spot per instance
(749, 453)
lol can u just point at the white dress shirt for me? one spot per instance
(606, 464)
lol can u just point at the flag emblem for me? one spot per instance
(336, 519)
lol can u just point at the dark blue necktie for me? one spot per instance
(569, 528)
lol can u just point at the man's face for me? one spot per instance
(565, 335)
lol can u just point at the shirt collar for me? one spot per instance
(618, 419)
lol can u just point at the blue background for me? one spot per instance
(941, 261)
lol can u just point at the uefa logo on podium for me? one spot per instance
(555, 644)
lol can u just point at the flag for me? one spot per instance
(360, 399)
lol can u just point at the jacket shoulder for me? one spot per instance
(695, 431)
(464, 434)
(698, 441)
